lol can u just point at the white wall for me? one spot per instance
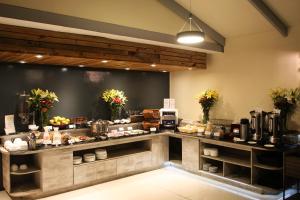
(243, 75)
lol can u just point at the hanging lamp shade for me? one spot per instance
(188, 35)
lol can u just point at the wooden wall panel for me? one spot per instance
(69, 49)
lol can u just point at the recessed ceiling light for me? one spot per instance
(39, 56)
(153, 65)
(81, 65)
(127, 68)
(22, 61)
(164, 71)
(190, 68)
(64, 69)
(104, 61)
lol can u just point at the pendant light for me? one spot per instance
(190, 36)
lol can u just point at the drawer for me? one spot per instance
(106, 169)
(85, 173)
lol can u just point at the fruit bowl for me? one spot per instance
(60, 122)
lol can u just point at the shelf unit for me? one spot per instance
(22, 182)
(118, 151)
(242, 167)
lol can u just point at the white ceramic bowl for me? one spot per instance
(214, 152)
(213, 169)
(206, 151)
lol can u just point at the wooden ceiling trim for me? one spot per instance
(29, 41)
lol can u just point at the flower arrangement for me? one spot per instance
(41, 101)
(286, 100)
(207, 100)
(116, 100)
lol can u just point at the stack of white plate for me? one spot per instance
(89, 157)
(77, 160)
(101, 154)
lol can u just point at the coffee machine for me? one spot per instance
(168, 118)
(258, 124)
(274, 127)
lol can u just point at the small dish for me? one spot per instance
(252, 142)
(269, 145)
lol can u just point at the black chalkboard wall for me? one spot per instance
(79, 89)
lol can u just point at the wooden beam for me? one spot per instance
(21, 40)
(266, 11)
(33, 15)
(184, 13)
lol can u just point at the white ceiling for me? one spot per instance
(234, 18)
(231, 18)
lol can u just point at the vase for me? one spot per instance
(43, 118)
(283, 121)
(115, 113)
(205, 118)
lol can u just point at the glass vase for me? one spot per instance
(205, 118)
(115, 113)
(43, 121)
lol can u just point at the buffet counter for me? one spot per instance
(52, 170)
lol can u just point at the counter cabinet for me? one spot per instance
(51, 172)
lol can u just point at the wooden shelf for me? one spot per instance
(25, 190)
(125, 152)
(30, 170)
(117, 154)
(242, 179)
(267, 167)
(231, 159)
(219, 173)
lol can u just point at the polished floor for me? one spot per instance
(164, 184)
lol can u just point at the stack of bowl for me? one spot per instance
(101, 154)
(89, 157)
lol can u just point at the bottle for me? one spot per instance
(56, 137)
(46, 136)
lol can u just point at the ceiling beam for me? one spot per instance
(266, 11)
(184, 14)
(107, 29)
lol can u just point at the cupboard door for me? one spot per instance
(57, 170)
(190, 154)
(125, 165)
(85, 173)
(143, 161)
(106, 169)
(132, 163)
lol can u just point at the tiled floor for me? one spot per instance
(163, 184)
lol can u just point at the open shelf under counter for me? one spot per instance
(267, 167)
(231, 159)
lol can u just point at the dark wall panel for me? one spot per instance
(79, 89)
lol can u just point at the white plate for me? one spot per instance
(269, 145)
(252, 142)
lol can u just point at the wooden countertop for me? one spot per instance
(97, 144)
